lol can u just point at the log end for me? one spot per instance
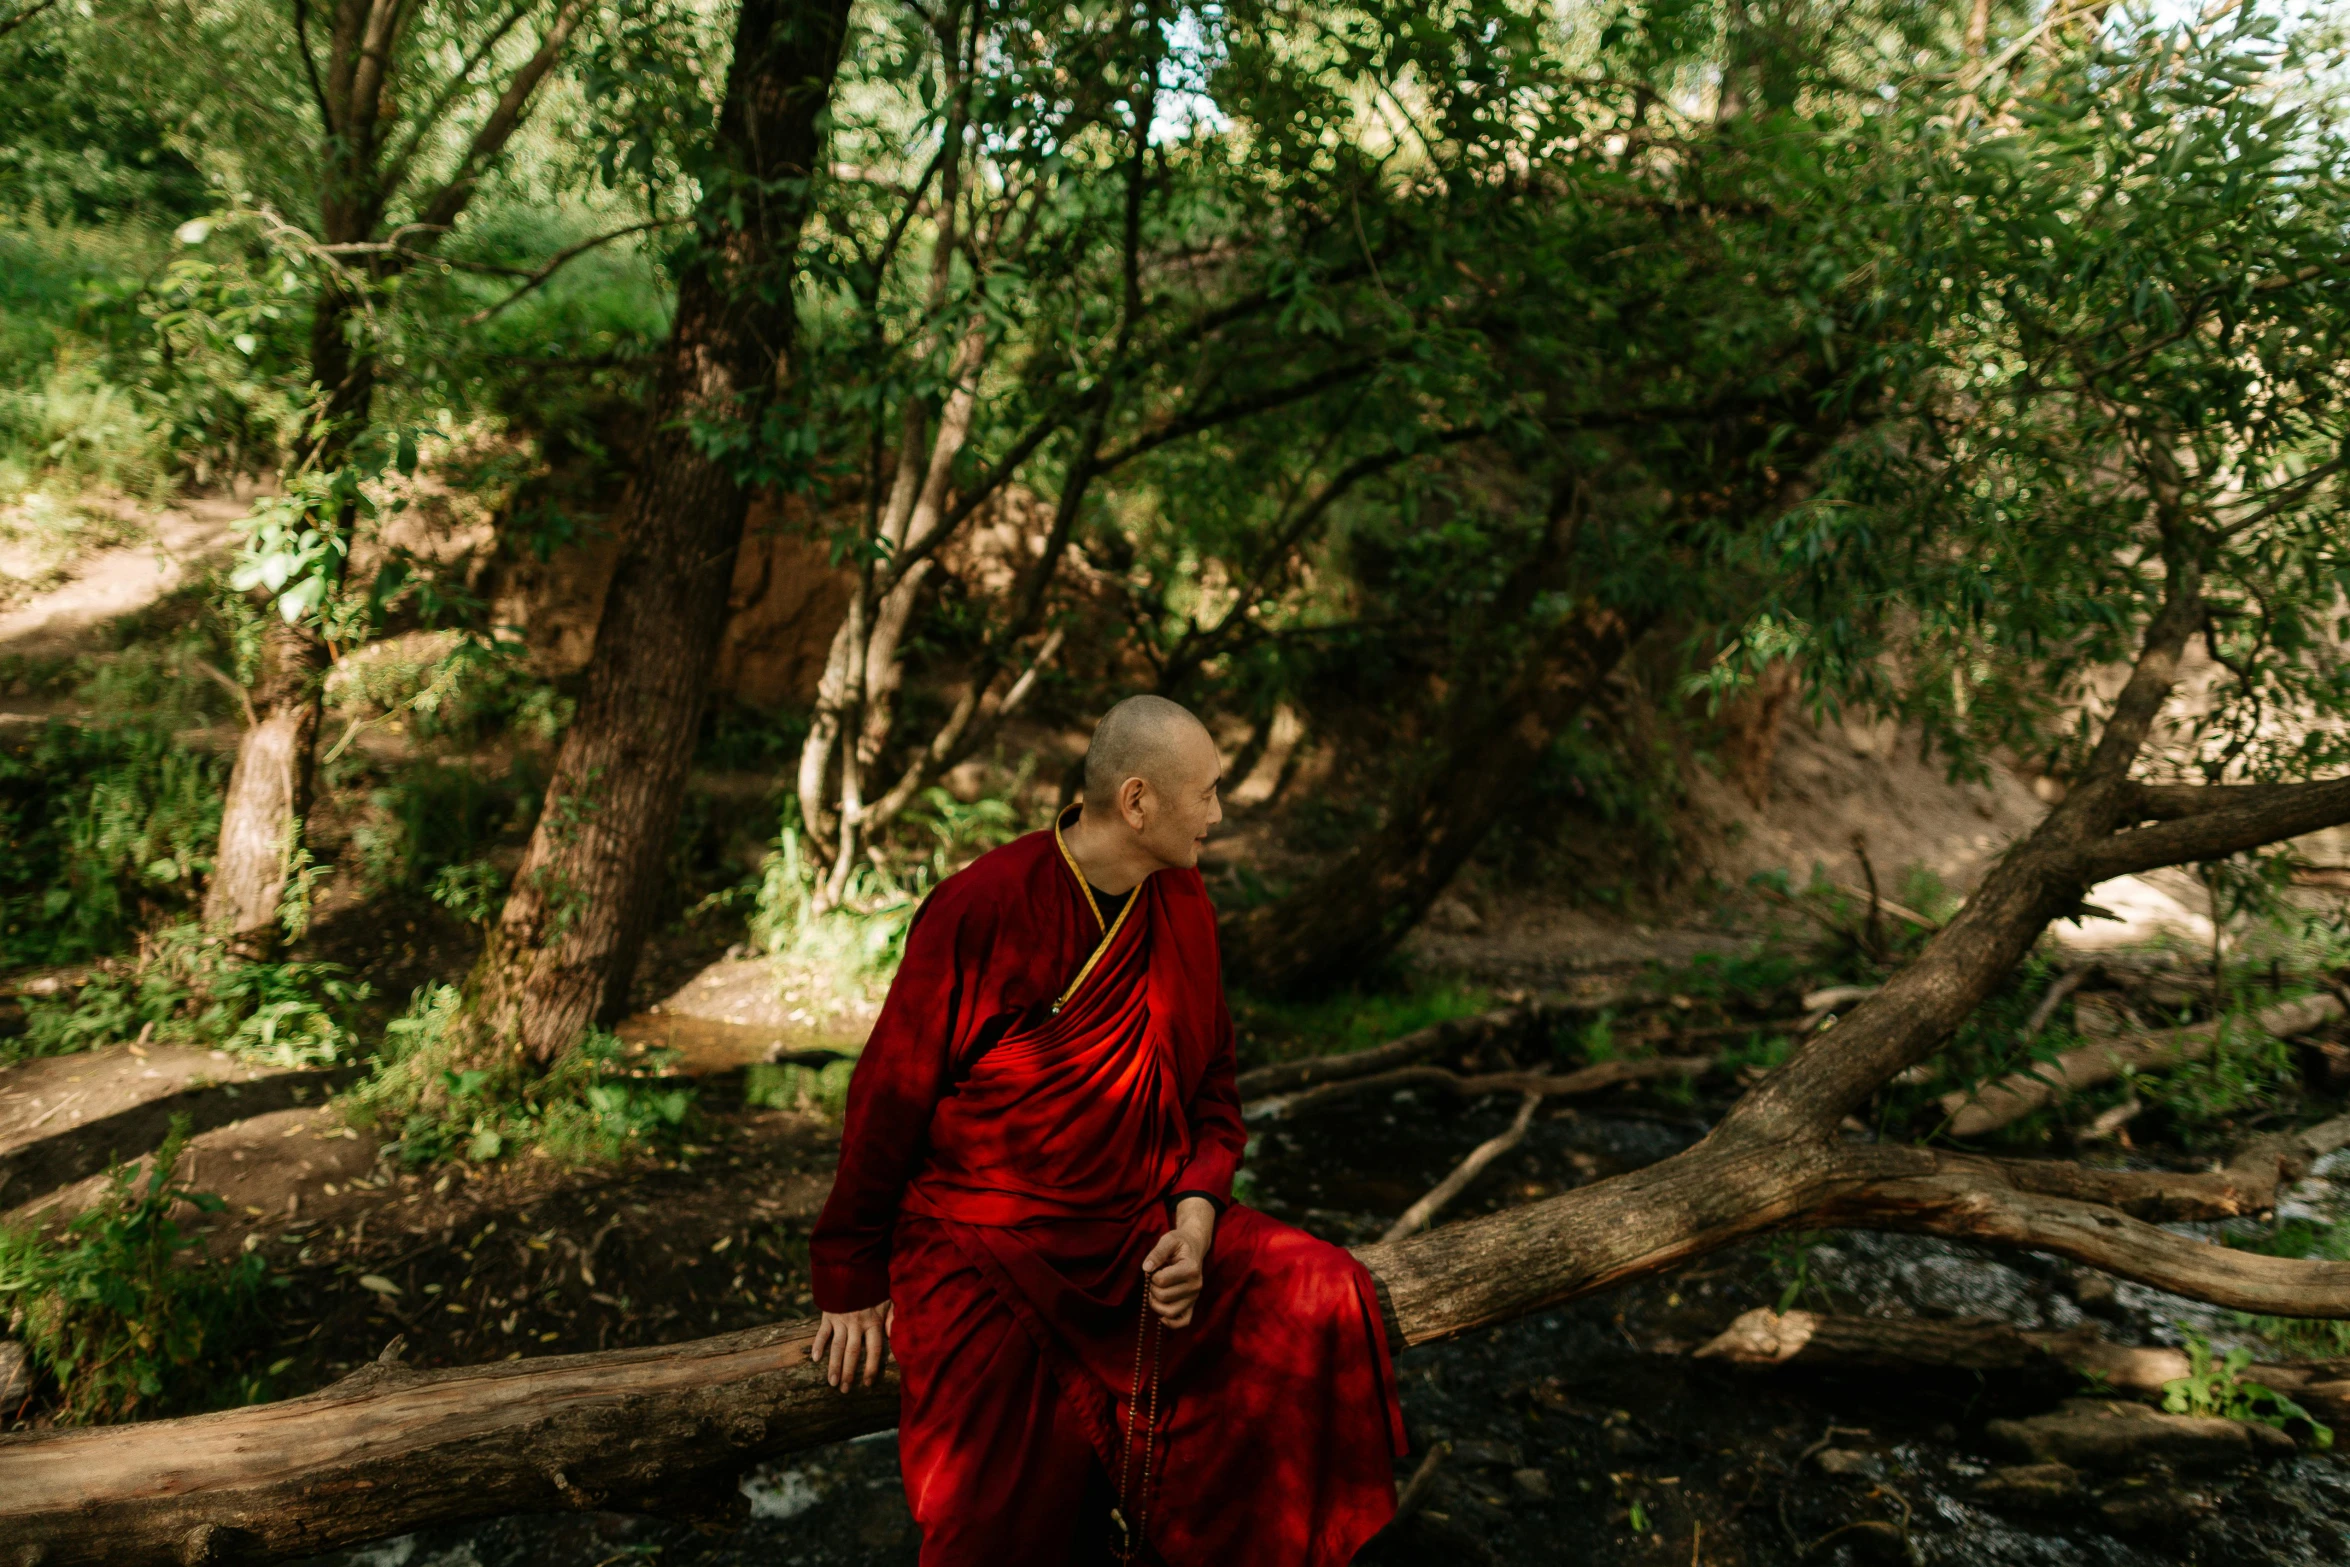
(1761, 1337)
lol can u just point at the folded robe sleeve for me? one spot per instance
(1217, 1135)
(895, 1088)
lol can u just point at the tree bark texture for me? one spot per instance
(567, 942)
(1915, 1351)
(269, 790)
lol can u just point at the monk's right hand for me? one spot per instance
(852, 1346)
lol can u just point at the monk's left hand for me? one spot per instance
(1176, 1269)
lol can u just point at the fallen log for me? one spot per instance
(1905, 1347)
(2009, 1099)
(668, 1429)
(644, 1428)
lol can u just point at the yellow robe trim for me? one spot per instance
(1109, 930)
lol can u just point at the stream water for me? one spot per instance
(1589, 1435)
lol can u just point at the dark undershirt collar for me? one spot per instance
(1109, 903)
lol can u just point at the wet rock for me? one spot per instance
(2113, 1436)
(1534, 1482)
(1624, 1441)
(2030, 1487)
(2090, 1289)
(1494, 1455)
(1968, 1287)
(2153, 1509)
(1847, 1461)
(16, 1375)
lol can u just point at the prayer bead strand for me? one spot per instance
(1133, 1544)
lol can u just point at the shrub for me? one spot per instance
(2215, 1385)
(188, 990)
(120, 1319)
(102, 827)
(443, 1096)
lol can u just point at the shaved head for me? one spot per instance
(1142, 737)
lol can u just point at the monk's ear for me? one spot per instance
(1131, 795)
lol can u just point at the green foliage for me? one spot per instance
(121, 1319)
(432, 820)
(103, 827)
(2319, 1337)
(1284, 1030)
(78, 140)
(2126, 345)
(2215, 1385)
(438, 1095)
(783, 1086)
(186, 989)
(857, 943)
(2245, 1069)
(854, 944)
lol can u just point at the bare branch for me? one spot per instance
(2018, 1094)
(2245, 817)
(9, 24)
(1965, 1209)
(396, 170)
(1416, 1217)
(504, 118)
(1199, 645)
(558, 261)
(1239, 408)
(1596, 1078)
(326, 113)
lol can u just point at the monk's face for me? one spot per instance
(1176, 811)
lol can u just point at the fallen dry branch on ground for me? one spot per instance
(1437, 1039)
(2018, 1094)
(1584, 1080)
(640, 1428)
(1810, 1341)
(1416, 1217)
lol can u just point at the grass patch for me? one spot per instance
(121, 1320)
(810, 1090)
(2321, 1338)
(440, 1097)
(2215, 1386)
(1340, 1024)
(103, 829)
(187, 990)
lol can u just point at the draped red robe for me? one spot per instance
(1005, 1168)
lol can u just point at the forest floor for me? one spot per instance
(1587, 1434)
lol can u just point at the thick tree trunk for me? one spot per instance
(567, 942)
(268, 790)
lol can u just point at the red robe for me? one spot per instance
(1004, 1170)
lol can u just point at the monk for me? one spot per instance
(1102, 1356)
